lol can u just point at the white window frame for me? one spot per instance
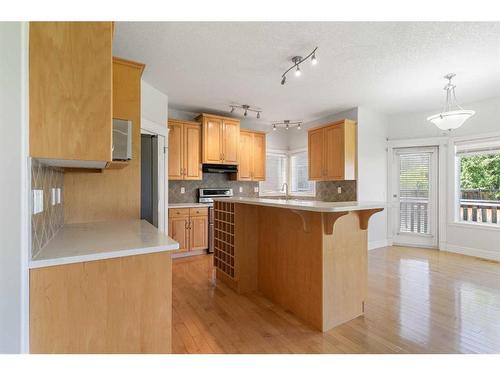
(289, 176)
(288, 167)
(454, 164)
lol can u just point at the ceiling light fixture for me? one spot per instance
(246, 109)
(287, 124)
(453, 116)
(297, 60)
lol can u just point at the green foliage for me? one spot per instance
(481, 172)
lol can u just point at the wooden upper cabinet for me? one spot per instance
(316, 154)
(332, 152)
(230, 141)
(245, 166)
(70, 90)
(220, 139)
(192, 151)
(184, 150)
(175, 150)
(252, 156)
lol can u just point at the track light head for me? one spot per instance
(232, 109)
(314, 60)
(298, 72)
(274, 127)
(246, 113)
(258, 115)
(283, 80)
(299, 126)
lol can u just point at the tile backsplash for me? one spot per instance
(45, 224)
(325, 191)
(328, 191)
(210, 180)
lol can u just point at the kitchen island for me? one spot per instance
(308, 257)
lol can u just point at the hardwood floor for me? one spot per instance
(419, 301)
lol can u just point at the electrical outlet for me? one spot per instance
(183, 190)
(37, 201)
(339, 190)
(256, 189)
(241, 189)
(53, 196)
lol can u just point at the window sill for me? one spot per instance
(473, 225)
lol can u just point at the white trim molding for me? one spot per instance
(478, 253)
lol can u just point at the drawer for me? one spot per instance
(198, 211)
(176, 212)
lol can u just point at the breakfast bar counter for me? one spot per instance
(308, 257)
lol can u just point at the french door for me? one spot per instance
(414, 196)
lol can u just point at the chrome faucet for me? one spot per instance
(285, 187)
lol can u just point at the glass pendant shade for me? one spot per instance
(450, 120)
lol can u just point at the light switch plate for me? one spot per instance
(37, 201)
(241, 189)
(183, 190)
(53, 196)
(256, 189)
(339, 190)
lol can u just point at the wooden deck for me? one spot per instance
(419, 301)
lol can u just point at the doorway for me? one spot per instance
(415, 196)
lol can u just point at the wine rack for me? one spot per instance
(224, 238)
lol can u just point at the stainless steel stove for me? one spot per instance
(207, 195)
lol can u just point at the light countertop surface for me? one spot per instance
(306, 205)
(188, 205)
(75, 243)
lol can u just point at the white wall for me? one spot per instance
(372, 170)
(11, 146)
(461, 238)
(154, 104)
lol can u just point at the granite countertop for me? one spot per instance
(75, 243)
(307, 205)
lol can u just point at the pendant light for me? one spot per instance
(453, 116)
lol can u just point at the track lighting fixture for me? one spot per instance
(297, 60)
(246, 109)
(287, 124)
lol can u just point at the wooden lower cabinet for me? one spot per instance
(189, 227)
(120, 305)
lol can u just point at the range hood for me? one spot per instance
(219, 168)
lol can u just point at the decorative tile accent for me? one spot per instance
(327, 191)
(45, 224)
(210, 180)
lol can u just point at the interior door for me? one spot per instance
(231, 142)
(315, 151)
(414, 196)
(212, 141)
(192, 152)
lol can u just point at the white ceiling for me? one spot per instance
(392, 67)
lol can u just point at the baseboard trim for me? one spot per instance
(377, 244)
(478, 253)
